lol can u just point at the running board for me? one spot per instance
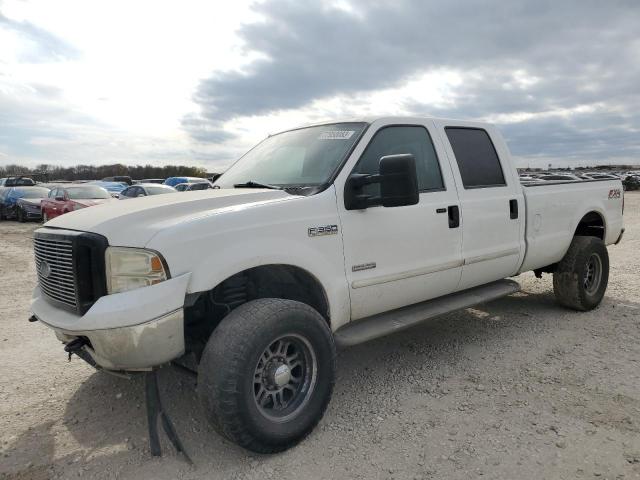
(385, 323)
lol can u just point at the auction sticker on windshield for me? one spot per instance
(336, 135)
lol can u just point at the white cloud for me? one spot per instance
(199, 82)
(137, 66)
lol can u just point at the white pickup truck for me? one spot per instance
(331, 234)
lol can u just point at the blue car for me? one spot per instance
(22, 203)
(173, 181)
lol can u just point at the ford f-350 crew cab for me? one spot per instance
(326, 235)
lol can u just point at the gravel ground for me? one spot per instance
(515, 389)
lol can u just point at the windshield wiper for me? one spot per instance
(252, 184)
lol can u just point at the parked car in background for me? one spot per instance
(119, 178)
(149, 180)
(144, 190)
(600, 176)
(65, 199)
(528, 178)
(631, 182)
(173, 181)
(17, 182)
(114, 188)
(188, 187)
(10, 196)
(566, 177)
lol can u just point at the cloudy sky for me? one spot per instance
(200, 82)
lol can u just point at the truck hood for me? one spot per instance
(134, 222)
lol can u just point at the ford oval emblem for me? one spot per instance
(45, 269)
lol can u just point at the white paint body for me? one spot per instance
(208, 236)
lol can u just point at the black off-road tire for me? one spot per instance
(571, 283)
(227, 373)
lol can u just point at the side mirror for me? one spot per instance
(398, 181)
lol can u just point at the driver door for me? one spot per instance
(403, 255)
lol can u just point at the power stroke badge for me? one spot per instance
(323, 230)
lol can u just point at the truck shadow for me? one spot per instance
(106, 416)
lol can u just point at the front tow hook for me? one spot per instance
(74, 346)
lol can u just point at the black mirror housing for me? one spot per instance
(398, 181)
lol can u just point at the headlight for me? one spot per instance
(130, 268)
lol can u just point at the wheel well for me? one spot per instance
(207, 309)
(592, 225)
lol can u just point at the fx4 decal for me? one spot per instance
(614, 193)
(323, 230)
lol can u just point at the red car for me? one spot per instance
(65, 199)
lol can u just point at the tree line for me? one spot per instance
(46, 172)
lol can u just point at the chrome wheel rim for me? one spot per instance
(284, 377)
(593, 274)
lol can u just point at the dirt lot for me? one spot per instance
(518, 388)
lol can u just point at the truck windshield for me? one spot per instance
(306, 157)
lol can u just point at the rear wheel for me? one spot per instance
(267, 373)
(581, 277)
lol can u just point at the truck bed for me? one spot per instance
(554, 209)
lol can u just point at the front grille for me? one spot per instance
(70, 267)
(54, 264)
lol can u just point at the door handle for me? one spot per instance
(454, 216)
(513, 209)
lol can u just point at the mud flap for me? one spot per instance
(155, 410)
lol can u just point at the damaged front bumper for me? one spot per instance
(130, 331)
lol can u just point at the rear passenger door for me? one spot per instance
(491, 203)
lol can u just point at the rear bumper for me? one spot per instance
(32, 214)
(134, 330)
(619, 237)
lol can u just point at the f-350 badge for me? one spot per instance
(323, 230)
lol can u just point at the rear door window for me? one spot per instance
(476, 156)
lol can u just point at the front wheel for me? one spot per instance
(581, 277)
(267, 374)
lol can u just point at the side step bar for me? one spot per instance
(385, 323)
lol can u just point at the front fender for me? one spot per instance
(211, 272)
(216, 247)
